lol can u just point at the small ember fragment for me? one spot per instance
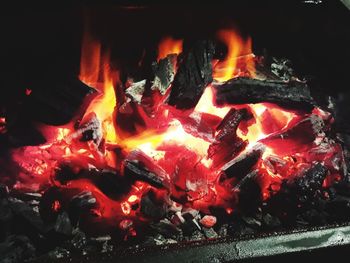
(208, 221)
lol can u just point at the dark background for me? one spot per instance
(42, 43)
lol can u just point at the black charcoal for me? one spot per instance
(290, 94)
(193, 75)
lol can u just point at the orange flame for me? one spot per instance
(95, 71)
(90, 60)
(239, 51)
(206, 104)
(168, 46)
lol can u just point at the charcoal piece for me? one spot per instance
(80, 203)
(222, 231)
(4, 191)
(166, 228)
(188, 212)
(229, 124)
(158, 240)
(79, 240)
(339, 208)
(251, 221)
(56, 101)
(16, 249)
(22, 132)
(135, 171)
(199, 124)
(28, 215)
(222, 152)
(89, 130)
(109, 182)
(208, 221)
(136, 90)
(63, 225)
(312, 180)
(297, 137)
(193, 75)
(271, 222)
(227, 144)
(243, 163)
(282, 68)
(6, 217)
(209, 233)
(195, 236)
(249, 194)
(190, 225)
(26, 196)
(315, 217)
(238, 228)
(164, 72)
(152, 207)
(57, 253)
(106, 247)
(290, 94)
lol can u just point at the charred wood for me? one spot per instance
(312, 180)
(58, 102)
(152, 207)
(296, 137)
(290, 94)
(164, 72)
(242, 164)
(227, 144)
(135, 91)
(140, 167)
(228, 126)
(249, 194)
(193, 75)
(137, 172)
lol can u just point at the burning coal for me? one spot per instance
(193, 142)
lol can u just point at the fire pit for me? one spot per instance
(198, 147)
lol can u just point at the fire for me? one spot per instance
(168, 46)
(239, 51)
(181, 146)
(206, 104)
(258, 130)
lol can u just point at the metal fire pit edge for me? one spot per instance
(230, 249)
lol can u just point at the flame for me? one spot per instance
(206, 104)
(256, 131)
(90, 60)
(168, 46)
(149, 141)
(95, 71)
(167, 139)
(238, 51)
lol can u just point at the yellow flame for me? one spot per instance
(237, 50)
(206, 105)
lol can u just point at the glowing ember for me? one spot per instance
(169, 159)
(28, 92)
(2, 125)
(56, 206)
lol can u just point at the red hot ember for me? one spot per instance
(131, 158)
